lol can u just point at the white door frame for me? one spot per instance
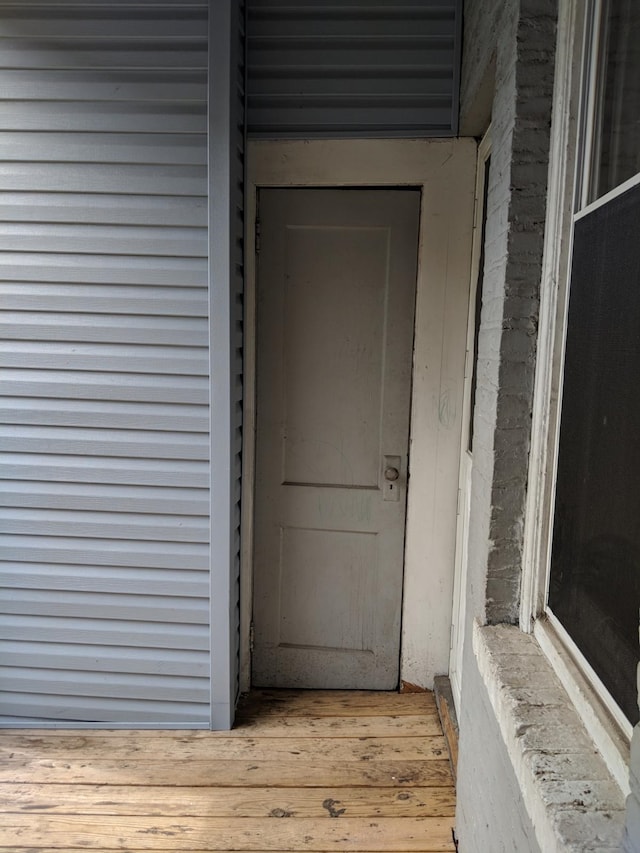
(466, 462)
(444, 170)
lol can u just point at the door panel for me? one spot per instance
(332, 349)
(336, 289)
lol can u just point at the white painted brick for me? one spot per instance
(572, 801)
(563, 767)
(591, 795)
(590, 831)
(632, 829)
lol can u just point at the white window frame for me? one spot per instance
(576, 94)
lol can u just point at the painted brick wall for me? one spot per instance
(521, 38)
(521, 117)
(510, 43)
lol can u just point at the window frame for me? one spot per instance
(577, 93)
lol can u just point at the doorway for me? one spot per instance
(336, 275)
(443, 171)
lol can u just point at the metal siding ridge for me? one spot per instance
(105, 22)
(18, 325)
(140, 444)
(108, 4)
(104, 552)
(97, 53)
(113, 209)
(110, 116)
(115, 84)
(105, 525)
(108, 633)
(130, 581)
(111, 269)
(88, 298)
(139, 713)
(83, 413)
(172, 609)
(95, 685)
(98, 659)
(106, 471)
(130, 241)
(125, 358)
(186, 149)
(137, 179)
(35, 493)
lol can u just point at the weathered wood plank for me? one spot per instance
(228, 773)
(399, 725)
(335, 703)
(447, 714)
(250, 834)
(396, 725)
(185, 748)
(228, 802)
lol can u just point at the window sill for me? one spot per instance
(572, 798)
(609, 730)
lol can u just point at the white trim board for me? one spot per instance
(444, 170)
(553, 299)
(458, 614)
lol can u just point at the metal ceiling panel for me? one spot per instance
(356, 68)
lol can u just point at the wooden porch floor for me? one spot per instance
(302, 771)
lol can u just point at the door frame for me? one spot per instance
(458, 617)
(444, 171)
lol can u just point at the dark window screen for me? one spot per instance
(595, 565)
(617, 137)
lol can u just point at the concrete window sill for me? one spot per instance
(571, 797)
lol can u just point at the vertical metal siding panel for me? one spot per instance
(317, 68)
(103, 267)
(238, 319)
(226, 211)
(222, 85)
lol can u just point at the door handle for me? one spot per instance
(391, 466)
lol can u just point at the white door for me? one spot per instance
(336, 292)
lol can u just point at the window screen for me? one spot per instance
(617, 136)
(595, 568)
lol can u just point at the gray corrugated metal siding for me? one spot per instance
(353, 68)
(103, 278)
